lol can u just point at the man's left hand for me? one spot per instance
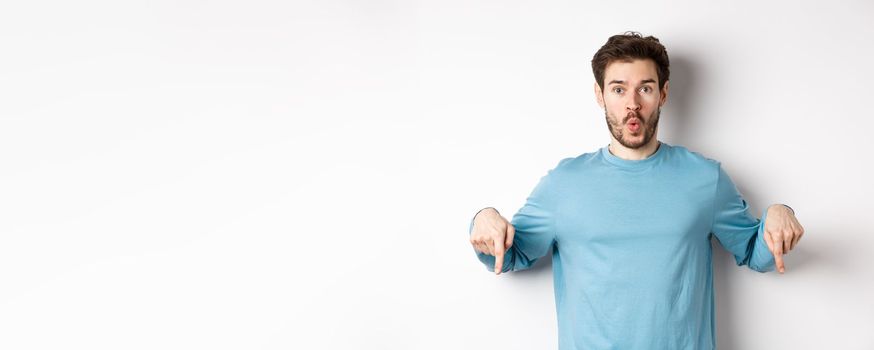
(782, 232)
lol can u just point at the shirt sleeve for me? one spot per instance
(736, 230)
(534, 226)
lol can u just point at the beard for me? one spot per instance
(647, 127)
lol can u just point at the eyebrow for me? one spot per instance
(622, 82)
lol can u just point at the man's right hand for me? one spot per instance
(492, 235)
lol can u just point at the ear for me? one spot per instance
(598, 95)
(664, 93)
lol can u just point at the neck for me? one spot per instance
(617, 149)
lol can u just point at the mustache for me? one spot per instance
(632, 115)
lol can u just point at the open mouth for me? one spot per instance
(633, 124)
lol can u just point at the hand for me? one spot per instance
(492, 235)
(782, 232)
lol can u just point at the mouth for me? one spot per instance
(633, 124)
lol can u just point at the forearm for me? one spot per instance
(759, 257)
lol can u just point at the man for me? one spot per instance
(631, 223)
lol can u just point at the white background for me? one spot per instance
(301, 175)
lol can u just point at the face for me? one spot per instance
(632, 101)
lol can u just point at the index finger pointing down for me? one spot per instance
(778, 256)
(499, 256)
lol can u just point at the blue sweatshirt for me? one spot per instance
(632, 259)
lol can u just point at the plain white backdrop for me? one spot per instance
(301, 175)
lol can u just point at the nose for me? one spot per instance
(632, 104)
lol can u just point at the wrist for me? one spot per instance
(786, 206)
(486, 209)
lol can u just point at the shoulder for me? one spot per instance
(565, 168)
(572, 164)
(693, 160)
(692, 156)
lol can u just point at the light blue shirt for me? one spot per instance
(632, 259)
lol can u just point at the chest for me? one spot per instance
(624, 211)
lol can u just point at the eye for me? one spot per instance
(617, 90)
(645, 89)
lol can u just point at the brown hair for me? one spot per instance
(629, 46)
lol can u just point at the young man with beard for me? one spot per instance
(631, 223)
